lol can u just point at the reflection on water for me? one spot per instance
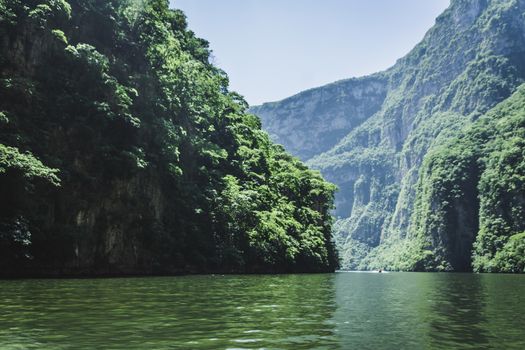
(340, 311)
(431, 311)
(459, 309)
(201, 312)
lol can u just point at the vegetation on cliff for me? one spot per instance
(477, 184)
(415, 186)
(123, 151)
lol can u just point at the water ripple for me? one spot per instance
(340, 311)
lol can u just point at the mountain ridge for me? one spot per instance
(469, 61)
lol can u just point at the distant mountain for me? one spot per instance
(429, 171)
(314, 121)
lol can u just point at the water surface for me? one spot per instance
(338, 311)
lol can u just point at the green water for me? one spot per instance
(339, 311)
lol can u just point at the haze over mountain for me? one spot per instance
(429, 154)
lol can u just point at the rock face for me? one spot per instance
(313, 121)
(472, 59)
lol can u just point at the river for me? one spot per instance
(333, 311)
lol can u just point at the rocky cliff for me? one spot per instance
(314, 121)
(472, 59)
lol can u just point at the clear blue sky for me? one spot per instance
(272, 49)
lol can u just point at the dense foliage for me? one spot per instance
(471, 194)
(122, 150)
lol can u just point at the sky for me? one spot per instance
(272, 49)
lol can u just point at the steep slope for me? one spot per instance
(472, 59)
(471, 192)
(122, 151)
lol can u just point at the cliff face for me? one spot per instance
(470, 195)
(314, 121)
(122, 151)
(472, 59)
